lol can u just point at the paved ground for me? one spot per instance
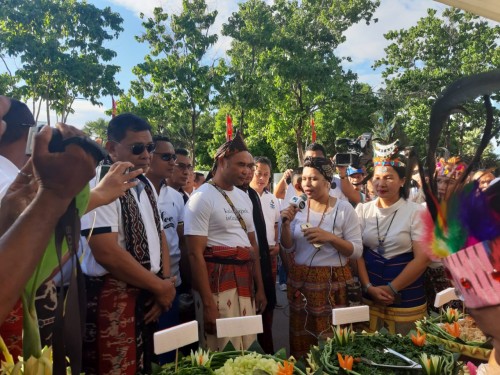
(281, 322)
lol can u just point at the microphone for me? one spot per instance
(297, 201)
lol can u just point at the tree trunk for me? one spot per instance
(300, 149)
(193, 137)
(48, 112)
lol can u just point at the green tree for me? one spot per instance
(59, 44)
(174, 85)
(425, 58)
(97, 128)
(298, 73)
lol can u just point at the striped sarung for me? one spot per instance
(312, 294)
(117, 340)
(397, 318)
(230, 268)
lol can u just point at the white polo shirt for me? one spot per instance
(208, 214)
(171, 206)
(108, 219)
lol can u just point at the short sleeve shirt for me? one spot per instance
(207, 213)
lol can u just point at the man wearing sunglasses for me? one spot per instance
(128, 273)
(183, 168)
(171, 206)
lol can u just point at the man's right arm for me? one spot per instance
(199, 273)
(123, 266)
(281, 186)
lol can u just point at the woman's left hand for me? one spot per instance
(317, 235)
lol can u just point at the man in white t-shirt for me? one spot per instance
(171, 206)
(222, 247)
(129, 283)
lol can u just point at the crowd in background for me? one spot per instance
(162, 244)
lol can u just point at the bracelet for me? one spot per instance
(365, 288)
(392, 288)
(342, 178)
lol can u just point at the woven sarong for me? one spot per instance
(231, 282)
(230, 268)
(395, 320)
(312, 294)
(11, 331)
(117, 341)
(381, 271)
(398, 318)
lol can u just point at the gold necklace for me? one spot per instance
(322, 216)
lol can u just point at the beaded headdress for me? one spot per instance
(453, 167)
(385, 149)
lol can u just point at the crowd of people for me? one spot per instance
(158, 235)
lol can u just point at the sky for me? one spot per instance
(365, 43)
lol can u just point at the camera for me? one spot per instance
(58, 144)
(353, 152)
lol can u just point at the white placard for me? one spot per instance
(347, 315)
(445, 296)
(175, 337)
(240, 326)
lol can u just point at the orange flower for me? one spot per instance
(285, 369)
(418, 340)
(345, 363)
(452, 329)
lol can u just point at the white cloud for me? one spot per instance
(366, 43)
(225, 8)
(84, 111)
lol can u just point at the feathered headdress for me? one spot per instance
(464, 231)
(385, 150)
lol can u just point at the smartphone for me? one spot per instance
(31, 138)
(101, 171)
(304, 227)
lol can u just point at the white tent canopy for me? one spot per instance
(486, 8)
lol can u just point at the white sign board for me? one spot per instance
(445, 296)
(241, 326)
(175, 337)
(347, 315)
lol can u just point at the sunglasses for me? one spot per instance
(166, 156)
(184, 167)
(138, 148)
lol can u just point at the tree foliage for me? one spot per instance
(173, 84)
(59, 44)
(425, 58)
(288, 50)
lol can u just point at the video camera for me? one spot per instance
(353, 153)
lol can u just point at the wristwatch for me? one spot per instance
(342, 177)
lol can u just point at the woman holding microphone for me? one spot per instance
(321, 237)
